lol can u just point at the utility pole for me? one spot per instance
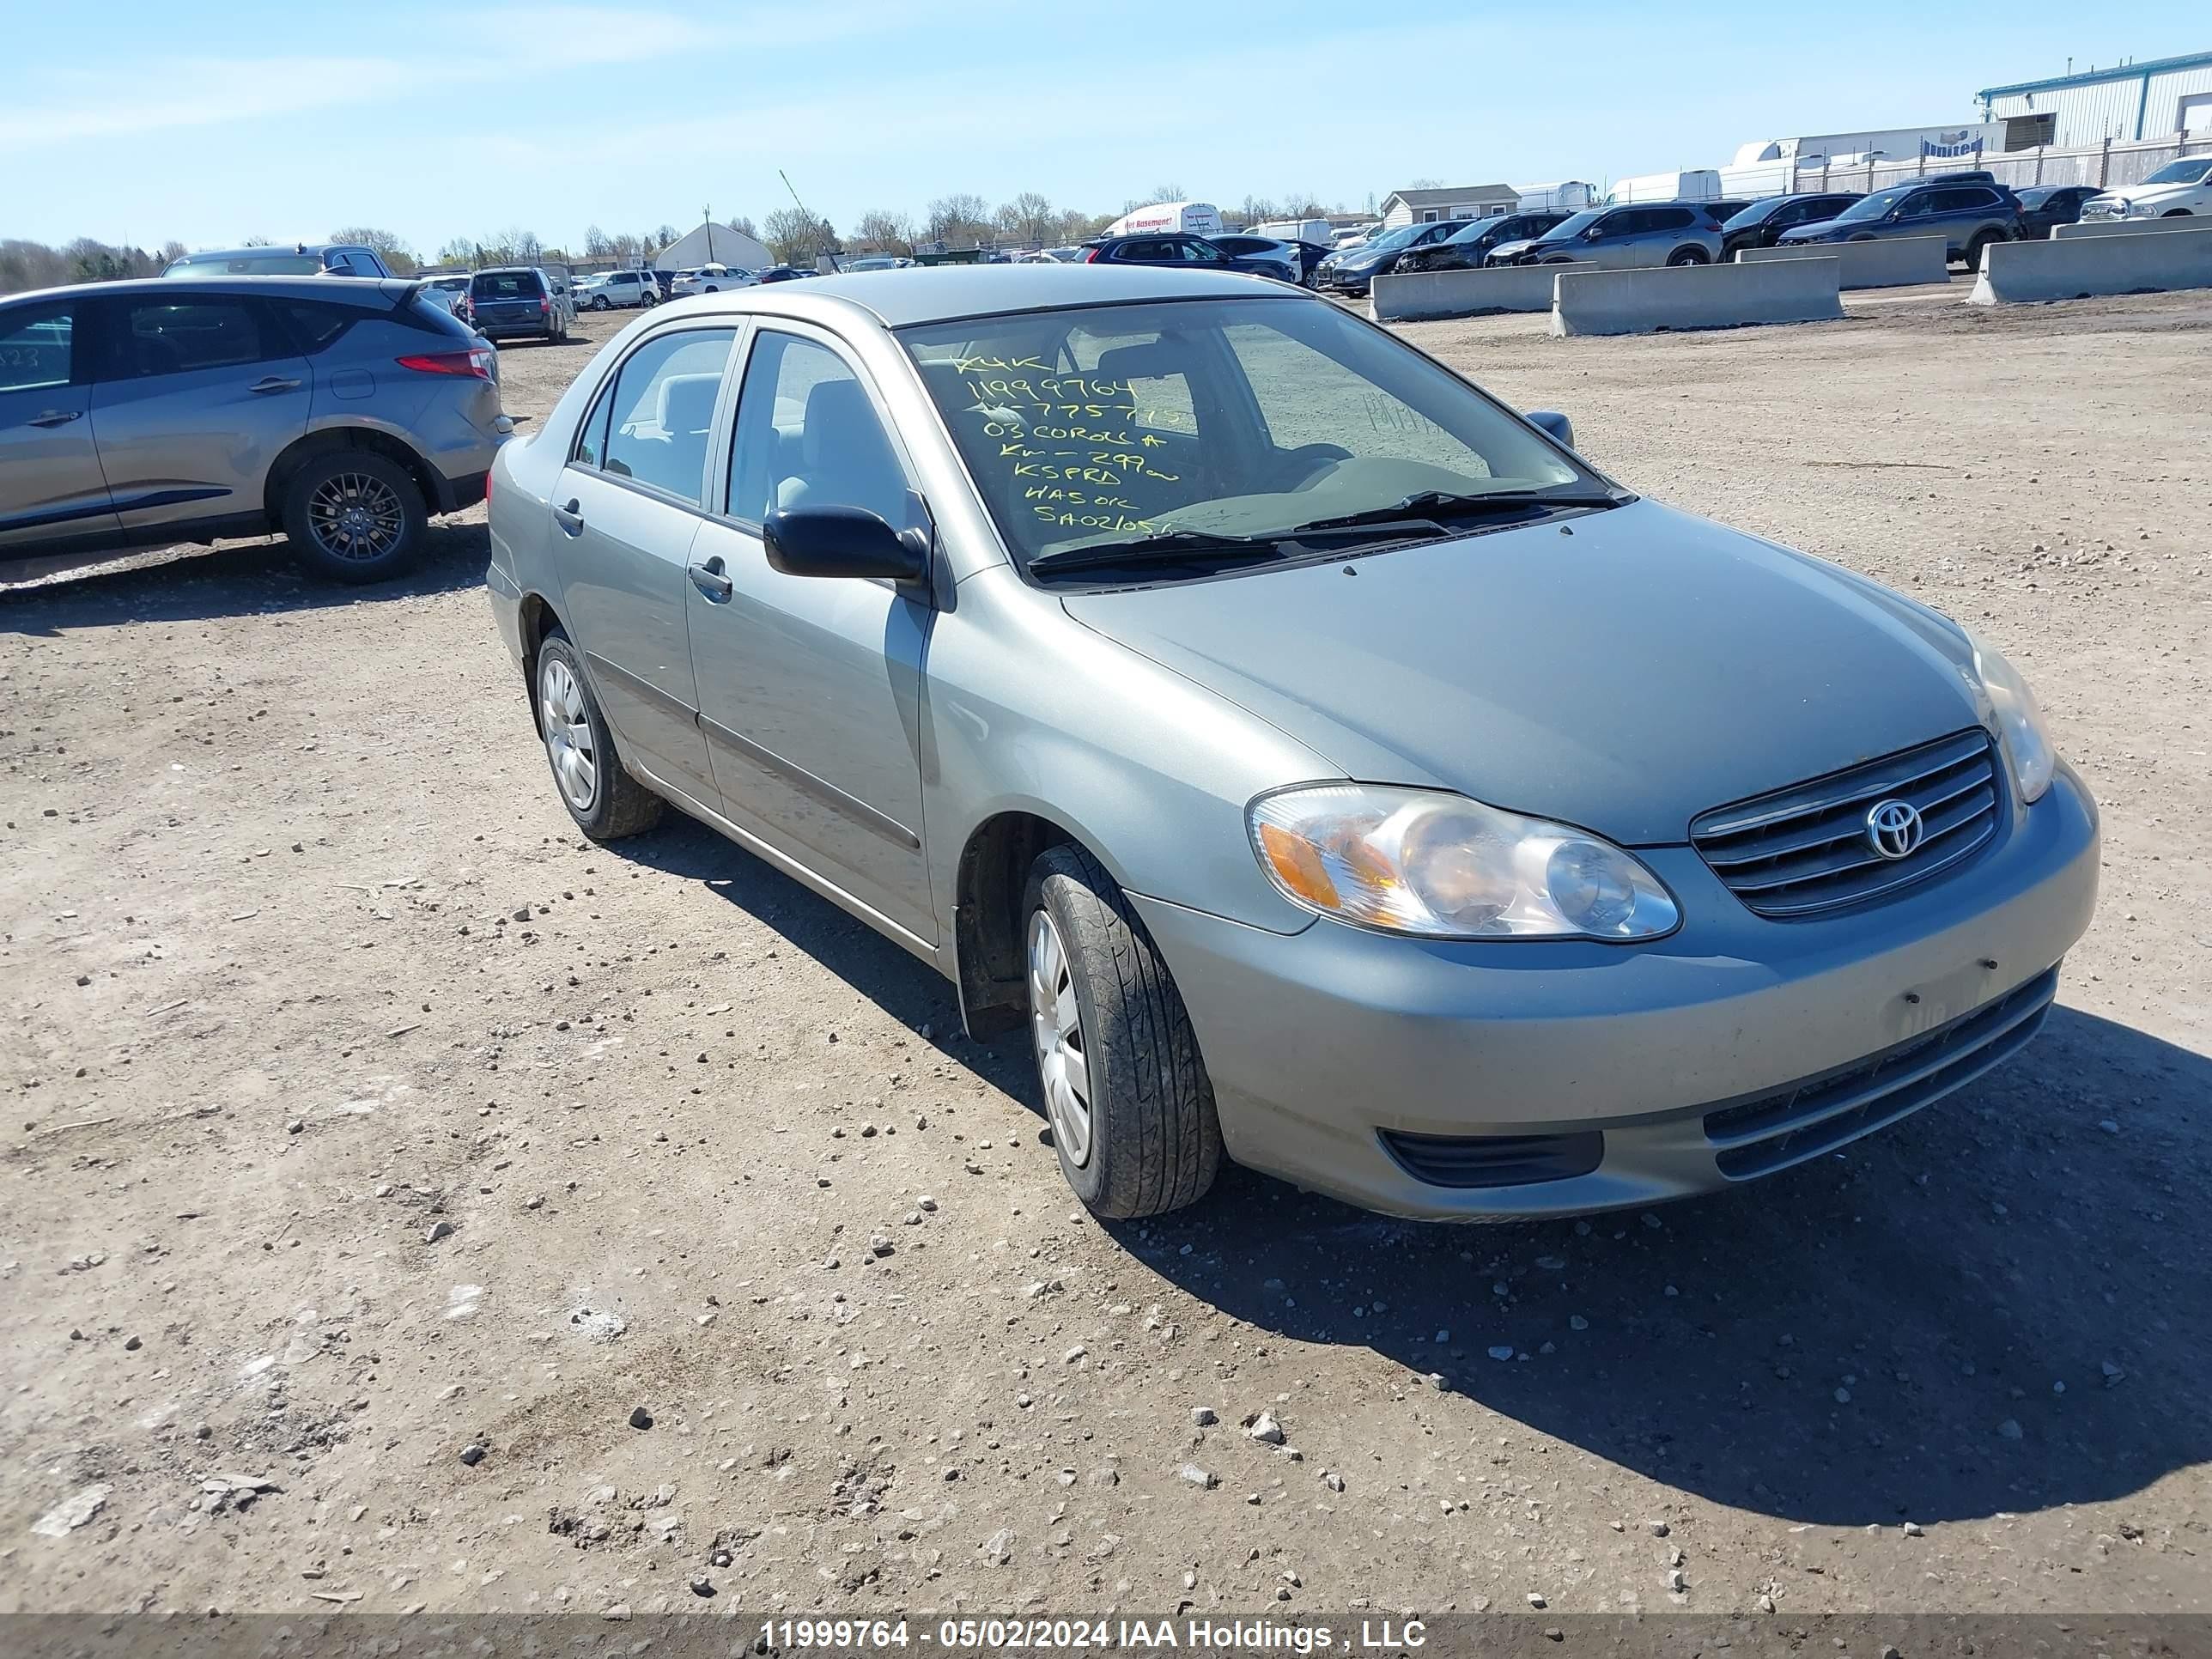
(811, 219)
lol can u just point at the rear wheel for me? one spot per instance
(355, 516)
(1688, 256)
(1975, 248)
(604, 801)
(1132, 1112)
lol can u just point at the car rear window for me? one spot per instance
(506, 285)
(271, 264)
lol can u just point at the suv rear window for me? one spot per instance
(506, 285)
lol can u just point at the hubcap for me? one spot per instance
(356, 517)
(1056, 1028)
(568, 734)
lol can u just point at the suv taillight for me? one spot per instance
(1090, 256)
(545, 303)
(475, 363)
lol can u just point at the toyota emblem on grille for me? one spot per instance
(1894, 828)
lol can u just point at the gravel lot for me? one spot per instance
(365, 1115)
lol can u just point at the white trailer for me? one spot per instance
(1567, 196)
(1192, 218)
(1697, 185)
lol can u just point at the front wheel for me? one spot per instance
(604, 801)
(601, 302)
(355, 516)
(1132, 1112)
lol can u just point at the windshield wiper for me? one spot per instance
(1168, 547)
(1440, 504)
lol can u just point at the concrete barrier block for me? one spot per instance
(2133, 227)
(1882, 262)
(1645, 301)
(1425, 294)
(2093, 267)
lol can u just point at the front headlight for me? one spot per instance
(2025, 738)
(1442, 866)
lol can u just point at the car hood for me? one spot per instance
(2145, 195)
(1513, 248)
(1625, 679)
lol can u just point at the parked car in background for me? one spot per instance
(1351, 271)
(1260, 858)
(776, 274)
(1644, 234)
(711, 279)
(1352, 236)
(614, 288)
(1969, 217)
(1289, 258)
(450, 291)
(513, 302)
(878, 262)
(341, 412)
(2183, 186)
(2043, 208)
(1194, 252)
(1467, 248)
(1759, 223)
(300, 259)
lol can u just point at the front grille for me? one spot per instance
(1757, 1137)
(1805, 849)
(1495, 1160)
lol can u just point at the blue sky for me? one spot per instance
(139, 120)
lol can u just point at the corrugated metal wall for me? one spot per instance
(2111, 109)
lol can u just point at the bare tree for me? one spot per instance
(796, 236)
(884, 228)
(1031, 217)
(172, 251)
(458, 251)
(598, 245)
(1166, 193)
(744, 226)
(960, 219)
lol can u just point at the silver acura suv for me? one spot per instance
(1324, 764)
(343, 412)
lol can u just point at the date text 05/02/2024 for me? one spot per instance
(1216, 1635)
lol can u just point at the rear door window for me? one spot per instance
(37, 347)
(150, 338)
(1673, 218)
(506, 285)
(664, 409)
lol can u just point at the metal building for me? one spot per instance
(2157, 98)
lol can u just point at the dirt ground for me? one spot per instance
(383, 1156)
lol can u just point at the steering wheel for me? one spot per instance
(1310, 463)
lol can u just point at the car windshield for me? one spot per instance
(1242, 420)
(1576, 225)
(1876, 205)
(2182, 173)
(1757, 214)
(1390, 239)
(273, 263)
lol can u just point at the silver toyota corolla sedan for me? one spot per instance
(1324, 763)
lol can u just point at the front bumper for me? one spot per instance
(1322, 1042)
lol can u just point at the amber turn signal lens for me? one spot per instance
(1296, 864)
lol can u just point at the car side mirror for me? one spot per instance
(842, 541)
(1593, 233)
(1558, 426)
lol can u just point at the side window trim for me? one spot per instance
(732, 393)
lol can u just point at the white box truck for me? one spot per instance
(1567, 196)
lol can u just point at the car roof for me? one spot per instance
(931, 294)
(358, 290)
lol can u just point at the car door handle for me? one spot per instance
(570, 517)
(274, 383)
(55, 417)
(713, 580)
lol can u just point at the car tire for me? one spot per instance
(1688, 256)
(1135, 1130)
(606, 803)
(1981, 240)
(601, 302)
(354, 516)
